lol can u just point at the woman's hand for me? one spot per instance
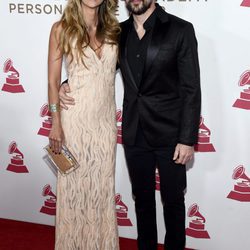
(56, 138)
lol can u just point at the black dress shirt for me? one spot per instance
(137, 48)
(136, 55)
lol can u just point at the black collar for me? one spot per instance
(149, 23)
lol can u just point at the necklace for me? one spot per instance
(94, 45)
(98, 47)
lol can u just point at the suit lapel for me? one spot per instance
(154, 45)
(123, 49)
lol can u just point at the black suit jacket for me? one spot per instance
(167, 102)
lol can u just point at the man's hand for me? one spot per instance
(183, 153)
(64, 98)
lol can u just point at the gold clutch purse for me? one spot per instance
(64, 162)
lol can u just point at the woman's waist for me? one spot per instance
(90, 109)
(87, 121)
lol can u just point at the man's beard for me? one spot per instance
(139, 9)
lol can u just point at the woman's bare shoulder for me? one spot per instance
(56, 28)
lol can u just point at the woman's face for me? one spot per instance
(92, 3)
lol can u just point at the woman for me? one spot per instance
(87, 36)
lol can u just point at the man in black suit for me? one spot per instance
(159, 64)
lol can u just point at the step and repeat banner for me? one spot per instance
(218, 192)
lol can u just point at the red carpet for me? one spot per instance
(16, 235)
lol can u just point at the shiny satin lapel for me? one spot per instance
(123, 49)
(123, 40)
(154, 46)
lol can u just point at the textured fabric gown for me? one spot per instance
(86, 218)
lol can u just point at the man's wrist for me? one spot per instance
(186, 143)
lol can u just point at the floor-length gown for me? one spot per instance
(86, 217)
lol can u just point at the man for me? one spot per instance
(161, 110)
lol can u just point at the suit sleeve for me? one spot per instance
(189, 80)
(65, 81)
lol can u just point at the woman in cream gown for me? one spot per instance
(85, 217)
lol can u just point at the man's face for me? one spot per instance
(138, 7)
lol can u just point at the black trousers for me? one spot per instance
(142, 160)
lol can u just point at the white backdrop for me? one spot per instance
(218, 193)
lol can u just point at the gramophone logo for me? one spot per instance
(47, 123)
(196, 227)
(121, 212)
(157, 180)
(12, 84)
(204, 144)
(16, 162)
(244, 101)
(245, 3)
(119, 126)
(49, 206)
(241, 191)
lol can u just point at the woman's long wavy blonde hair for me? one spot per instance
(74, 27)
